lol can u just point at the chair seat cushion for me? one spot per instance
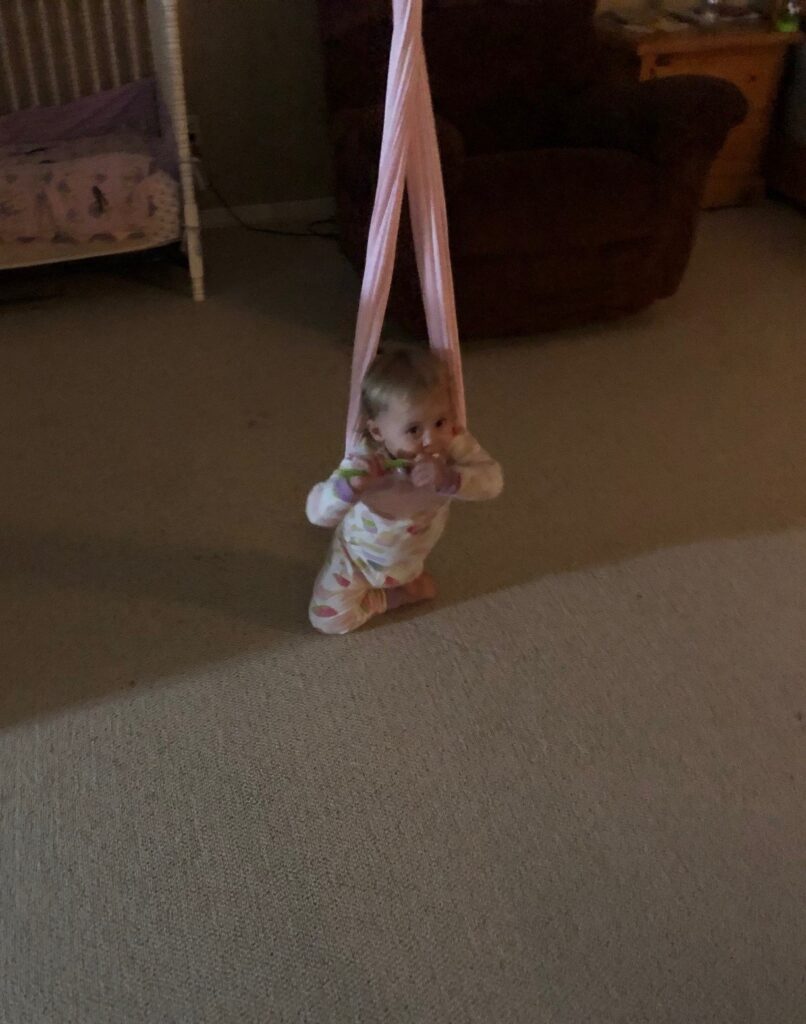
(552, 200)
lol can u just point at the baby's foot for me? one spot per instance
(422, 589)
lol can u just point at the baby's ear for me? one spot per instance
(374, 432)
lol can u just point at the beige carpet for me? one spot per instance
(572, 791)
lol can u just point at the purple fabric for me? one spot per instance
(452, 484)
(344, 491)
(132, 107)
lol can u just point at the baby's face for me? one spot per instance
(415, 426)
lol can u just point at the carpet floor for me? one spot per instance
(570, 791)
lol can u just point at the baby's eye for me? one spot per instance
(440, 423)
(413, 431)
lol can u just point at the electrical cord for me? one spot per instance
(308, 233)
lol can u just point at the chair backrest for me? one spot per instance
(476, 49)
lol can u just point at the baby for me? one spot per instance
(389, 499)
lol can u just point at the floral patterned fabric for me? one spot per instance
(107, 188)
(381, 540)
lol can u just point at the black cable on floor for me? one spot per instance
(308, 233)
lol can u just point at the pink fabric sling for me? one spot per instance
(409, 158)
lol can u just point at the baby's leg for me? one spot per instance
(342, 598)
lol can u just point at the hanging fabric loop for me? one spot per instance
(409, 160)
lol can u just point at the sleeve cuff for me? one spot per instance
(344, 491)
(452, 484)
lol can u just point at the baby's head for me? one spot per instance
(407, 403)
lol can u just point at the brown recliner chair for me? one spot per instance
(570, 198)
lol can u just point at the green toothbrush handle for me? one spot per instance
(346, 474)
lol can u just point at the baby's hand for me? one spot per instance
(430, 471)
(373, 480)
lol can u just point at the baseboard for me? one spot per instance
(301, 211)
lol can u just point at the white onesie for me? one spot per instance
(381, 541)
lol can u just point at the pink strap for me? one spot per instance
(409, 158)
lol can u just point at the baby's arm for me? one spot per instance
(476, 476)
(329, 502)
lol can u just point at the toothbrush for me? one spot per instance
(389, 464)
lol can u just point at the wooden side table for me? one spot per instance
(751, 58)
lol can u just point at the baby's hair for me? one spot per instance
(401, 371)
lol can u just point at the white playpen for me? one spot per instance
(95, 156)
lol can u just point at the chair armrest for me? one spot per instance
(665, 119)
